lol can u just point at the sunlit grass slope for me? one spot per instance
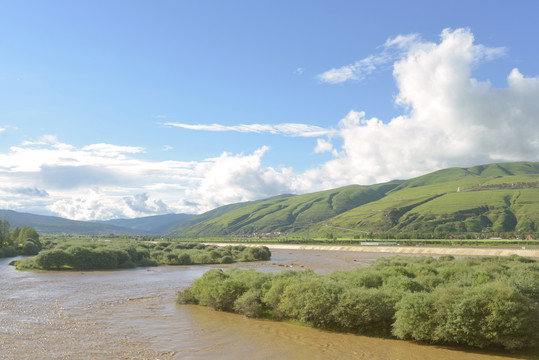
(289, 214)
(498, 198)
(455, 200)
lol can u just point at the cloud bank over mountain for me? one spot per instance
(451, 118)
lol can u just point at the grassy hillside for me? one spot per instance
(179, 228)
(489, 198)
(288, 214)
(474, 175)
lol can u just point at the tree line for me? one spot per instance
(18, 241)
(479, 302)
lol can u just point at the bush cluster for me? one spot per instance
(18, 241)
(88, 258)
(477, 302)
(8, 251)
(118, 254)
(174, 253)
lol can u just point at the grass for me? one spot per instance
(287, 214)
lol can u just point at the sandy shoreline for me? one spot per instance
(408, 250)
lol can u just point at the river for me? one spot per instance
(131, 314)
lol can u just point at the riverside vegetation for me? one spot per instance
(19, 241)
(489, 302)
(122, 253)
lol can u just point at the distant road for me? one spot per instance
(417, 250)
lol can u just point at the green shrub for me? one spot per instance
(366, 311)
(249, 304)
(8, 251)
(483, 302)
(30, 248)
(311, 301)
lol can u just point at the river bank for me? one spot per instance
(404, 250)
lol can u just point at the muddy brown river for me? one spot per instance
(131, 314)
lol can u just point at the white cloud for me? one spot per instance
(322, 146)
(396, 49)
(235, 178)
(392, 49)
(299, 71)
(402, 41)
(164, 186)
(287, 129)
(141, 204)
(454, 119)
(43, 140)
(110, 150)
(103, 181)
(4, 128)
(355, 71)
(89, 205)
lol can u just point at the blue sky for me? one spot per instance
(132, 108)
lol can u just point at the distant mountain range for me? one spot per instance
(151, 225)
(501, 197)
(157, 225)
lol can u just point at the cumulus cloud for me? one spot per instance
(323, 145)
(88, 205)
(235, 178)
(452, 119)
(142, 204)
(85, 183)
(289, 129)
(102, 181)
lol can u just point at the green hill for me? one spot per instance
(491, 199)
(289, 213)
(179, 228)
(488, 198)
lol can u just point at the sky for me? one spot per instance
(122, 109)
